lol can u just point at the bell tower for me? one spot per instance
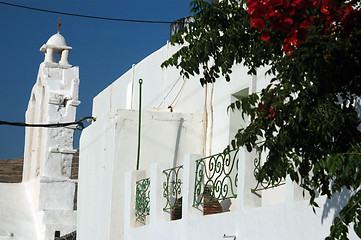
(49, 152)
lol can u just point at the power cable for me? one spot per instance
(179, 93)
(169, 91)
(84, 16)
(79, 124)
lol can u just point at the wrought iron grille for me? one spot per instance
(216, 177)
(264, 184)
(172, 188)
(142, 199)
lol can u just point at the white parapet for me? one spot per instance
(279, 220)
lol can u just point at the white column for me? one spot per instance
(64, 57)
(157, 200)
(189, 165)
(49, 55)
(130, 180)
(290, 190)
(249, 181)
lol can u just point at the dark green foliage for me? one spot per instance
(219, 32)
(306, 117)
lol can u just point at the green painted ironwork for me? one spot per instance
(266, 184)
(216, 176)
(172, 188)
(142, 199)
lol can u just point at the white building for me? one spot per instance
(111, 205)
(43, 203)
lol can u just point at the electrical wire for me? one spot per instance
(79, 124)
(170, 91)
(178, 94)
(84, 16)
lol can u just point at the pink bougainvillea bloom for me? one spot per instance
(258, 23)
(272, 113)
(265, 36)
(287, 48)
(293, 18)
(260, 107)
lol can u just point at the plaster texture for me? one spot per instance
(108, 152)
(17, 217)
(161, 87)
(43, 202)
(108, 148)
(291, 219)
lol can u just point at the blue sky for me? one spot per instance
(103, 50)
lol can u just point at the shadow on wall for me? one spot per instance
(335, 204)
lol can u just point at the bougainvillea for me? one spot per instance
(307, 116)
(292, 18)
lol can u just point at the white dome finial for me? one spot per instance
(56, 44)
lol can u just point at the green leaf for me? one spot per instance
(313, 135)
(238, 104)
(249, 148)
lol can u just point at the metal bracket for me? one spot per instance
(233, 237)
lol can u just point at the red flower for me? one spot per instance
(265, 36)
(292, 39)
(325, 10)
(287, 48)
(260, 107)
(258, 23)
(305, 24)
(292, 18)
(272, 113)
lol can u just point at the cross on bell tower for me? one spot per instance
(59, 24)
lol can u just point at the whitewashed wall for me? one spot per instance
(108, 148)
(165, 84)
(49, 152)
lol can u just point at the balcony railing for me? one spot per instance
(172, 188)
(216, 178)
(264, 185)
(142, 200)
